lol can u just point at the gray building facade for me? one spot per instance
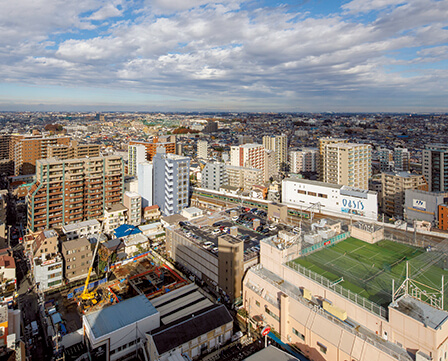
(171, 181)
(214, 175)
(423, 206)
(435, 167)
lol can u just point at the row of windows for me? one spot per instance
(124, 347)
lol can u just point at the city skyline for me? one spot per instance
(196, 55)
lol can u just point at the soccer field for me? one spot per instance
(368, 269)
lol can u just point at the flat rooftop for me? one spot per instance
(421, 311)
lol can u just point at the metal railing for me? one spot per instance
(344, 292)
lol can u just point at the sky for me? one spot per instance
(229, 55)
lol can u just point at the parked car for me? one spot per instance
(272, 227)
(216, 231)
(235, 218)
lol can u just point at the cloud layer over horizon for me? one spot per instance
(365, 55)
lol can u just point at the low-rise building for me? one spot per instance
(133, 203)
(77, 258)
(151, 213)
(82, 229)
(119, 330)
(114, 216)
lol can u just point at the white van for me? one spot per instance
(34, 328)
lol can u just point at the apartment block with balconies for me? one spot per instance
(73, 190)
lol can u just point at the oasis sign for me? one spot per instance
(353, 206)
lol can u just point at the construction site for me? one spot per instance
(64, 310)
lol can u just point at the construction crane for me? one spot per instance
(86, 297)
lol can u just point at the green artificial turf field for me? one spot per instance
(368, 269)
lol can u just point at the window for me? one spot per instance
(257, 303)
(297, 333)
(272, 314)
(322, 347)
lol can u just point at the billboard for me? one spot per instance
(419, 204)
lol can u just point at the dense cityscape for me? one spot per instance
(231, 236)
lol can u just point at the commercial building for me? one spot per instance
(136, 155)
(171, 181)
(347, 164)
(151, 213)
(73, 190)
(77, 258)
(119, 330)
(210, 127)
(222, 264)
(133, 203)
(168, 142)
(423, 206)
(332, 198)
(202, 149)
(244, 177)
(435, 167)
(328, 322)
(213, 175)
(393, 187)
(145, 183)
(305, 160)
(279, 144)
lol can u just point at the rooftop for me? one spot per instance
(126, 230)
(116, 207)
(75, 226)
(190, 327)
(75, 243)
(271, 353)
(119, 315)
(420, 311)
(312, 182)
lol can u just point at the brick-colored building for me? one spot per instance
(151, 147)
(77, 258)
(73, 190)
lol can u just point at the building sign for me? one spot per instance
(419, 204)
(353, 206)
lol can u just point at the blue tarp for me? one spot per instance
(286, 347)
(126, 230)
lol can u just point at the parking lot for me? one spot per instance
(243, 219)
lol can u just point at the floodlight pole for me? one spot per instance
(407, 278)
(443, 294)
(393, 290)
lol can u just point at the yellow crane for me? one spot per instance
(87, 297)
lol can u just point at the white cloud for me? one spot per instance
(210, 49)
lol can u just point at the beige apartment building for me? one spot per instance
(73, 190)
(73, 151)
(243, 177)
(329, 325)
(323, 142)
(77, 255)
(133, 202)
(393, 187)
(279, 144)
(347, 164)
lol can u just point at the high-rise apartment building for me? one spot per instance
(249, 156)
(393, 188)
(171, 181)
(145, 179)
(305, 160)
(169, 143)
(347, 164)
(213, 176)
(202, 149)
(279, 144)
(27, 149)
(73, 190)
(435, 167)
(323, 142)
(136, 155)
(397, 160)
